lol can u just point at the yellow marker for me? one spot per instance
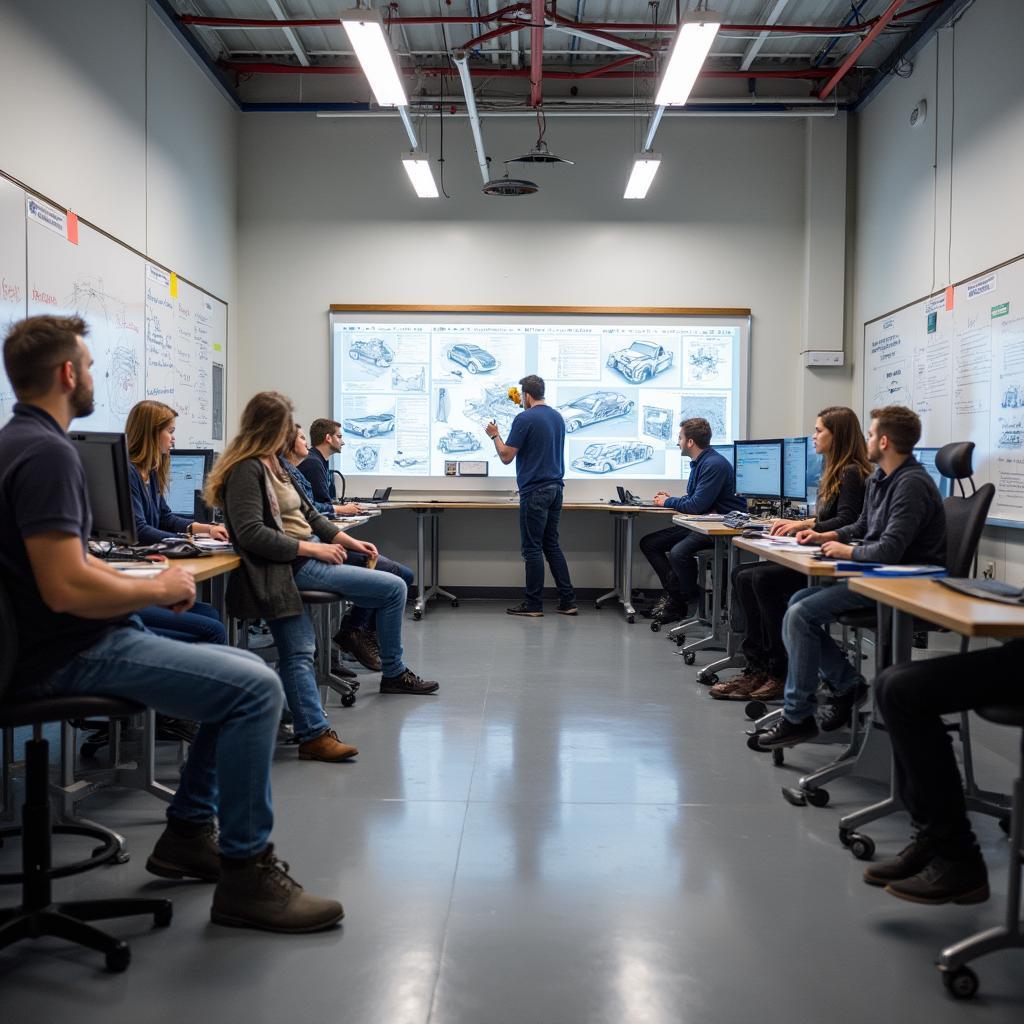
(174, 285)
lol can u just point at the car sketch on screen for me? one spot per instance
(493, 404)
(415, 380)
(473, 358)
(406, 461)
(641, 361)
(596, 407)
(369, 426)
(606, 458)
(372, 351)
(459, 441)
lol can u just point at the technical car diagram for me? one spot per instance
(415, 381)
(408, 461)
(709, 407)
(459, 441)
(367, 458)
(596, 407)
(704, 362)
(657, 422)
(1013, 397)
(641, 361)
(1011, 436)
(369, 426)
(473, 358)
(493, 404)
(607, 458)
(371, 350)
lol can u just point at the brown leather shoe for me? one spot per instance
(773, 689)
(739, 687)
(362, 645)
(326, 747)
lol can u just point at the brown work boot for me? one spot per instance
(407, 682)
(739, 687)
(772, 689)
(258, 892)
(326, 747)
(362, 645)
(186, 850)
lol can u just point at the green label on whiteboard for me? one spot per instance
(1003, 309)
(933, 320)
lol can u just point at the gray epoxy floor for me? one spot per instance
(570, 833)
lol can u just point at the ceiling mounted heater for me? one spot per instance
(540, 155)
(510, 187)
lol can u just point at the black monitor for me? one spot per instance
(104, 458)
(727, 451)
(759, 468)
(815, 467)
(794, 469)
(926, 456)
(189, 467)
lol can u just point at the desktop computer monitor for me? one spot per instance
(188, 475)
(815, 467)
(728, 452)
(926, 456)
(104, 458)
(794, 471)
(759, 468)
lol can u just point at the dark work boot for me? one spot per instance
(186, 850)
(908, 862)
(964, 880)
(839, 710)
(361, 645)
(787, 734)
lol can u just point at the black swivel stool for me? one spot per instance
(318, 605)
(960, 980)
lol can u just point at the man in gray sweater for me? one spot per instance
(902, 522)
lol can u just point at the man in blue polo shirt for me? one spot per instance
(672, 552)
(536, 441)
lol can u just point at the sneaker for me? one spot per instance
(739, 687)
(177, 855)
(785, 733)
(357, 642)
(259, 893)
(176, 729)
(673, 611)
(568, 609)
(773, 689)
(326, 747)
(525, 610)
(908, 862)
(945, 881)
(407, 682)
(839, 710)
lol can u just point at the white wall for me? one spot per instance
(325, 215)
(105, 113)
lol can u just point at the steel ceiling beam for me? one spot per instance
(755, 46)
(851, 58)
(293, 39)
(536, 52)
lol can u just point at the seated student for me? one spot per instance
(286, 546)
(942, 863)
(902, 522)
(358, 632)
(326, 439)
(77, 634)
(763, 589)
(149, 432)
(672, 552)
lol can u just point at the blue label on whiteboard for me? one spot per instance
(933, 320)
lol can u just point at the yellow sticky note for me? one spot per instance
(216, 346)
(174, 285)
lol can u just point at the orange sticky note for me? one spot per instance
(949, 297)
(72, 228)
(174, 285)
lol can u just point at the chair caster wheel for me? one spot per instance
(631, 619)
(597, 608)
(417, 616)
(862, 847)
(817, 797)
(162, 918)
(119, 958)
(961, 983)
(755, 709)
(455, 604)
(348, 699)
(680, 640)
(707, 678)
(353, 685)
(752, 743)
(796, 797)
(689, 657)
(844, 836)
(655, 627)
(778, 757)
(1004, 824)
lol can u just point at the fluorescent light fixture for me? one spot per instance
(417, 166)
(645, 167)
(365, 30)
(691, 46)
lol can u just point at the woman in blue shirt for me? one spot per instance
(150, 436)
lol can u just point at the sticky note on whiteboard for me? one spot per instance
(72, 227)
(174, 285)
(949, 297)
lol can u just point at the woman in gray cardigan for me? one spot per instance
(287, 546)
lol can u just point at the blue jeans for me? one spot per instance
(234, 696)
(199, 625)
(366, 618)
(539, 513)
(813, 654)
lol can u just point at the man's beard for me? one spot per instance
(82, 400)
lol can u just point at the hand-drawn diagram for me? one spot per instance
(703, 362)
(493, 404)
(1013, 397)
(410, 380)
(123, 373)
(371, 350)
(656, 422)
(473, 358)
(641, 361)
(408, 461)
(370, 426)
(608, 458)
(596, 407)
(459, 441)
(367, 458)
(444, 405)
(709, 407)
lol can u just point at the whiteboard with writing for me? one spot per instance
(151, 334)
(960, 366)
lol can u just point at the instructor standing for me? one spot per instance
(537, 442)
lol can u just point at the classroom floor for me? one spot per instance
(570, 833)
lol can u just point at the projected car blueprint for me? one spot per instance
(369, 426)
(641, 361)
(607, 458)
(594, 408)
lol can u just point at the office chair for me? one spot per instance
(318, 605)
(38, 915)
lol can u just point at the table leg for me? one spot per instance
(420, 606)
(627, 567)
(732, 659)
(616, 563)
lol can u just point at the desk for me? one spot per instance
(428, 514)
(802, 562)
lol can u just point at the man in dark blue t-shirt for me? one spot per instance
(537, 442)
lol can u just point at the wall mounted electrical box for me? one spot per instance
(823, 358)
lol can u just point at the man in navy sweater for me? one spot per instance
(672, 552)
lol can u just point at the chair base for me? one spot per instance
(69, 921)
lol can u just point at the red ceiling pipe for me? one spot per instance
(464, 19)
(496, 33)
(851, 58)
(536, 52)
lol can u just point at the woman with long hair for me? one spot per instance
(287, 546)
(763, 589)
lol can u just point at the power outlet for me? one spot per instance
(989, 571)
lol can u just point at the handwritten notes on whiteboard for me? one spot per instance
(12, 274)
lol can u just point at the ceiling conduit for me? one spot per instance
(536, 52)
(459, 58)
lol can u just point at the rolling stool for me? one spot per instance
(960, 981)
(38, 915)
(317, 604)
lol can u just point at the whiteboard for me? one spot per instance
(960, 365)
(151, 334)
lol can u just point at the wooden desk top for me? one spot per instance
(207, 568)
(930, 600)
(802, 562)
(708, 528)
